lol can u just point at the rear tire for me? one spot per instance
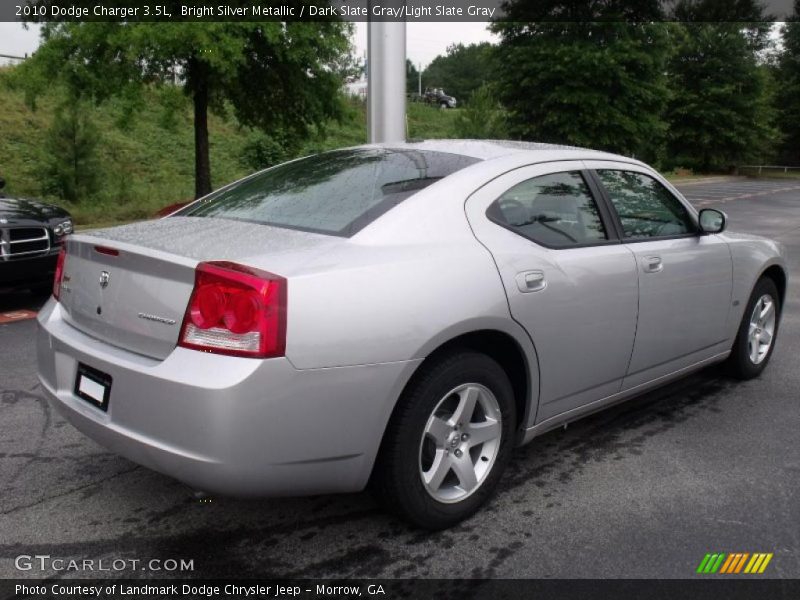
(448, 442)
(757, 333)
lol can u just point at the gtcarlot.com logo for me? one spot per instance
(734, 563)
(45, 562)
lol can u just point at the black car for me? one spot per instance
(31, 235)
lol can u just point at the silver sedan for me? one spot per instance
(397, 315)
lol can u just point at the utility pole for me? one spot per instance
(386, 78)
(419, 86)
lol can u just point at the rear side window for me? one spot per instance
(336, 193)
(646, 208)
(555, 210)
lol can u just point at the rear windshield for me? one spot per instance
(336, 193)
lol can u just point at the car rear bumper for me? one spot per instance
(224, 424)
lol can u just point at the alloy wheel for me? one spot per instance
(762, 329)
(460, 443)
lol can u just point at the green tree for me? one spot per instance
(596, 80)
(719, 114)
(727, 11)
(720, 111)
(788, 96)
(71, 163)
(462, 70)
(483, 118)
(282, 76)
(412, 78)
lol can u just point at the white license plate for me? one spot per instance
(93, 386)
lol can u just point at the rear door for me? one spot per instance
(685, 277)
(569, 280)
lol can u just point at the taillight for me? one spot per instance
(236, 310)
(62, 255)
(106, 250)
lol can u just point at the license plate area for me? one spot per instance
(93, 386)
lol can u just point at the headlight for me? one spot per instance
(63, 228)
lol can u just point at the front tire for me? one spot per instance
(448, 442)
(757, 333)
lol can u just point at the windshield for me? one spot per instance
(336, 193)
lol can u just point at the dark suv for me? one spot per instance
(31, 234)
(438, 97)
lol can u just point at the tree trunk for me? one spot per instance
(198, 74)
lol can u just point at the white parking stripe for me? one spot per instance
(737, 190)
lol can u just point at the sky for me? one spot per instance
(15, 40)
(424, 41)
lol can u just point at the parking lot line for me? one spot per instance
(739, 192)
(17, 315)
(762, 193)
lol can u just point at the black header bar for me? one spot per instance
(379, 10)
(700, 588)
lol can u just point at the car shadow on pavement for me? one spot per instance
(154, 515)
(617, 431)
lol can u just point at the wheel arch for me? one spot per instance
(507, 349)
(512, 349)
(778, 276)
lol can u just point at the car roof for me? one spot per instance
(490, 149)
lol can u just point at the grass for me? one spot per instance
(766, 173)
(146, 161)
(144, 165)
(422, 121)
(673, 178)
(771, 172)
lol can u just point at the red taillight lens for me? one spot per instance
(241, 311)
(236, 310)
(106, 250)
(62, 255)
(208, 306)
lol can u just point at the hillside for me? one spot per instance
(145, 157)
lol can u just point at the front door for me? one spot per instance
(685, 277)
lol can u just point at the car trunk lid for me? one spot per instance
(129, 286)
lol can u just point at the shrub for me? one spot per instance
(71, 166)
(483, 117)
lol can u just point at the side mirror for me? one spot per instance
(2, 183)
(712, 220)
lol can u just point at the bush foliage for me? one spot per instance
(701, 95)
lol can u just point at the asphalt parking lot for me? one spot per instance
(645, 489)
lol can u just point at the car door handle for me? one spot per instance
(653, 264)
(531, 281)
